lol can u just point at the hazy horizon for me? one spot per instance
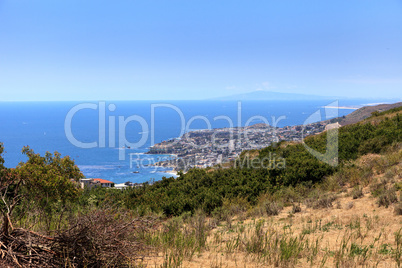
(232, 97)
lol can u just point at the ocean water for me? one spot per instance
(118, 133)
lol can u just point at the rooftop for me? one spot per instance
(102, 180)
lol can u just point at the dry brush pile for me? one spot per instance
(97, 239)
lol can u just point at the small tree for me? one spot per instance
(10, 184)
(50, 182)
(40, 182)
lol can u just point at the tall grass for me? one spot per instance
(180, 239)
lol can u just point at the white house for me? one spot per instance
(121, 186)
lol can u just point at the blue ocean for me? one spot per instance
(108, 139)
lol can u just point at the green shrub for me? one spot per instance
(398, 186)
(378, 189)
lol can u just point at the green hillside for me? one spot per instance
(207, 189)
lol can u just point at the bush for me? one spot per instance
(322, 202)
(391, 173)
(357, 192)
(272, 208)
(287, 195)
(387, 197)
(296, 209)
(333, 183)
(235, 206)
(378, 189)
(219, 214)
(100, 239)
(398, 208)
(398, 186)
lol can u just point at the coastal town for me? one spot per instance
(210, 147)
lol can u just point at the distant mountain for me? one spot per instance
(271, 95)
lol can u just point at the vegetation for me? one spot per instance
(43, 195)
(47, 218)
(206, 189)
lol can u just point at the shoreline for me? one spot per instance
(171, 172)
(340, 107)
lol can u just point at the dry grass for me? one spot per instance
(364, 235)
(361, 228)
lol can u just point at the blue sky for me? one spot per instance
(113, 50)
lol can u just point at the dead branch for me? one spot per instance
(99, 239)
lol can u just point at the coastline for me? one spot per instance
(171, 172)
(340, 107)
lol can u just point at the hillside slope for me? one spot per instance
(365, 112)
(350, 218)
(301, 213)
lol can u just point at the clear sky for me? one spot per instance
(198, 49)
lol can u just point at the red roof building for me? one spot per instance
(95, 183)
(104, 183)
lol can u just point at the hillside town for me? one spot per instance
(209, 147)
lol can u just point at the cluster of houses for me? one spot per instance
(95, 182)
(209, 147)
